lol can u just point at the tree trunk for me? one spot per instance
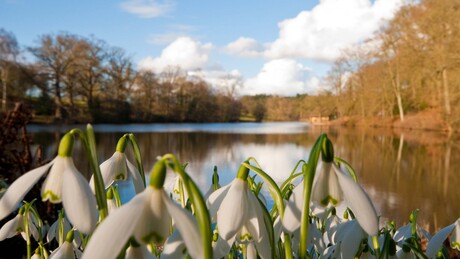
(57, 101)
(4, 90)
(445, 91)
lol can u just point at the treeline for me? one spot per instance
(78, 79)
(412, 65)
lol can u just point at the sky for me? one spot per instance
(266, 47)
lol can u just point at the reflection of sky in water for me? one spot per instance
(400, 174)
(238, 128)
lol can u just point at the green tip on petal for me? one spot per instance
(110, 194)
(327, 150)
(66, 145)
(69, 237)
(122, 143)
(243, 172)
(158, 176)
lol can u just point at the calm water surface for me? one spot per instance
(401, 171)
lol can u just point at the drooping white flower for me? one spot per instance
(119, 168)
(17, 226)
(436, 242)
(139, 252)
(347, 241)
(147, 217)
(239, 215)
(66, 251)
(65, 184)
(333, 185)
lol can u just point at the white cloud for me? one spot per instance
(245, 47)
(147, 8)
(184, 52)
(330, 27)
(323, 32)
(279, 77)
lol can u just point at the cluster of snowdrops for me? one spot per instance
(319, 211)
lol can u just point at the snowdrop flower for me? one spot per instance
(63, 184)
(437, 240)
(118, 167)
(67, 250)
(239, 214)
(347, 241)
(139, 252)
(17, 226)
(147, 217)
(333, 185)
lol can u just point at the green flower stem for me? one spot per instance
(273, 188)
(287, 246)
(137, 156)
(201, 211)
(309, 170)
(89, 143)
(39, 225)
(350, 169)
(292, 176)
(61, 227)
(27, 230)
(376, 245)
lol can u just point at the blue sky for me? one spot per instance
(273, 47)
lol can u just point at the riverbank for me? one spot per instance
(429, 120)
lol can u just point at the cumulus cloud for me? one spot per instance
(322, 32)
(245, 47)
(184, 52)
(147, 8)
(330, 27)
(279, 77)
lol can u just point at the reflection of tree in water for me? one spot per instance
(405, 171)
(423, 177)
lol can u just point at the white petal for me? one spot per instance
(173, 247)
(135, 177)
(10, 229)
(78, 200)
(154, 224)
(187, 226)
(400, 254)
(215, 199)
(52, 231)
(65, 251)
(140, 252)
(293, 211)
(349, 244)
(255, 216)
(19, 188)
(359, 202)
(33, 228)
(113, 233)
(52, 187)
(320, 190)
(221, 247)
(455, 238)
(437, 240)
(403, 233)
(111, 169)
(234, 208)
(251, 251)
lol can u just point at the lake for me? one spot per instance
(401, 171)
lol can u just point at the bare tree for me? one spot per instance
(9, 50)
(55, 54)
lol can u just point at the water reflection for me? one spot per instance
(401, 171)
